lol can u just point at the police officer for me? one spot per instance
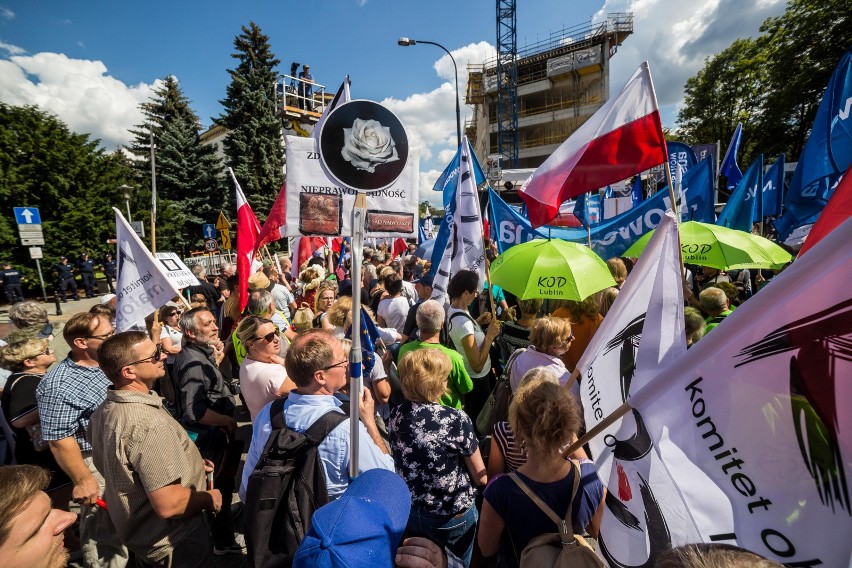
(11, 280)
(65, 278)
(86, 268)
(109, 272)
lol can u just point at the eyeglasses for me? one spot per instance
(48, 351)
(267, 338)
(101, 337)
(158, 352)
(568, 339)
(342, 363)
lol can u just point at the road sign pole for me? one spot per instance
(41, 279)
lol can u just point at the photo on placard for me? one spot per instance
(363, 146)
(320, 214)
(389, 222)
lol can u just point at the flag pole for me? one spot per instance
(356, 381)
(153, 197)
(598, 428)
(668, 169)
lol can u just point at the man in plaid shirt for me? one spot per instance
(67, 397)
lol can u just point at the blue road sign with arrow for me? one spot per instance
(209, 230)
(29, 216)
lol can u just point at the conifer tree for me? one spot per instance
(253, 145)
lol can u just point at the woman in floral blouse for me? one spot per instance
(436, 452)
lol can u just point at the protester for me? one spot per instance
(284, 300)
(618, 270)
(430, 321)
(262, 374)
(207, 408)
(423, 287)
(516, 334)
(30, 530)
(316, 364)
(211, 295)
(549, 340)
(171, 340)
(506, 454)
(325, 296)
(309, 280)
(585, 320)
(156, 482)
(393, 310)
(605, 299)
(545, 419)
(29, 360)
(469, 339)
(67, 396)
(693, 325)
(424, 432)
(11, 280)
(714, 303)
(30, 322)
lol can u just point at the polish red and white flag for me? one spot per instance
(247, 231)
(624, 137)
(274, 227)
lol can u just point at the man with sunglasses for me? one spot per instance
(315, 363)
(156, 484)
(67, 396)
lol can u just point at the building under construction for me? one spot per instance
(527, 102)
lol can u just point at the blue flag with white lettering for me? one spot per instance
(636, 192)
(826, 155)
(773, 188)
(742, 207)
(614, 236)
(581, 212)
(681, 154)
(729, 167)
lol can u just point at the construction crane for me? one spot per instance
(507, 83)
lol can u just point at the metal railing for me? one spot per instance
(291, 95)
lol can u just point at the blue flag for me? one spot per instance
(636, 192)
(608, 192)
(581, 210)
(369, 337)
(742, 207)
(614, 236)
(826, 155)
(729, 167)
(773, 188)
(680, 153)
(421, 232)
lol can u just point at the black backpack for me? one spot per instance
(286, 487)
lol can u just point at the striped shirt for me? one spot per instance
(138, 448)
(67, 396)
(514, 456)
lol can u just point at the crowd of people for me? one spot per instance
(139, 428)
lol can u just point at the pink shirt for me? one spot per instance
(259, 383)
(531, 359)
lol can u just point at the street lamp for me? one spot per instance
(405, 41)
(125, 191)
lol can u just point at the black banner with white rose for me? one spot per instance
(317, 205)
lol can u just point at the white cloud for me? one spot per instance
(675, 37)
(427, 181)
(80, 92)
(12, 49)
(6, 13)
(430, 118)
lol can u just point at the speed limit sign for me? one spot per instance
(210, 245)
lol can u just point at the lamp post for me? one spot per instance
(125, 191)
(405, 41)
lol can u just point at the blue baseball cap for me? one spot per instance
(362, 528)
(426, 280)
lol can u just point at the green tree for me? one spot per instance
(72, 182)
(253, 146)
(190, 189)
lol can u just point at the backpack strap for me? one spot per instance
(507, 369)
(276, 414)
(323, 425)
(564, 525)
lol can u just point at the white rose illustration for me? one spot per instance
(368, 144)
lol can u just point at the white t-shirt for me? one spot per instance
(259, 383)
(175, 335)
(459, 328)
(409, 292)
(283, 298)
(394, 311)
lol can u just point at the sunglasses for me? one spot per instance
(342, 363)
(267, 338)
(158, 352)
(101, 337)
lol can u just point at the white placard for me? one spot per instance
(176, 271)
(318, 207)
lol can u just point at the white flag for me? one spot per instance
(342, 96)
(142, 285)
(465, 247)
(754, 422)
(643, 330)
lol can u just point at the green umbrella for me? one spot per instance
(710, 245)
(776, 254)
(551, 269)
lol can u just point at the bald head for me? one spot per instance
(714, 301)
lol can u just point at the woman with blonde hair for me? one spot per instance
(549, 339)
(325, 296)
(29, 360)
(436, 451)
(585, 319)
(545, 419)
(263, 377)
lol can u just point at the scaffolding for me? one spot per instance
(507, 82)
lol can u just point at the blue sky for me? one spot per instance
(93, 62)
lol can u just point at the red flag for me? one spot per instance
(399, 247)
(247, 231)
(304, 248)
(273, 227)
(837, 210)
(623, 138)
